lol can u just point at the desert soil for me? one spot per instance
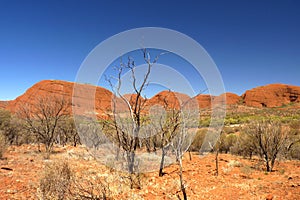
(238, 178)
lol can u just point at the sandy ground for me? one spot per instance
(238, 178)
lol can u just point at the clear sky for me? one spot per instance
(253, 42)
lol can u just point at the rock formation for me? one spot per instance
(3, 104)
(78, 102)
(89, 99)
(272, 95)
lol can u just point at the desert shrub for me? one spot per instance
(246, 170)
(244, 146)
(198, 140)
(67, 133)
(229, 130)
(56, 181)
(3, 145)
(234, 163)
(4, 117)
(295, 125)
(95, 188)
(227, 141)
(4, 123)
(269, 138)
(295, 151)
(231, 120)
(204, 122)
(14, 132)
(293, 141)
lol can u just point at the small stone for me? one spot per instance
(269, 197)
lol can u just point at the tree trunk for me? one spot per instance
(267, 163)
(268, 166)
(161, 173)
(182, 187)
(130, 160)
(272, 162)
(190, 155)
(217, 162)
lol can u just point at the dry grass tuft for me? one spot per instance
(55, 181)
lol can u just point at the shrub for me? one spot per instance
(204, 122)
(3, 145)
(229, 130)
(246, 170)
(198, 140)
(234, 163)
(227, 141)
(295, 151)
(244, 146)
(293, 141)
(56, 181)
(91, 188)
(269, 138)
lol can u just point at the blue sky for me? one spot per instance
(252, 42)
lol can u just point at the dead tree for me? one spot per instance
(42, 118)
(269, 138)
(188, 122)
(166, 124)
(127, 114)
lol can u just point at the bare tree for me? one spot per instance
(128, 113)
(42, 118)
(93, 137)
(269, 138)
(188, 123)
(166, 124)
(216, 149)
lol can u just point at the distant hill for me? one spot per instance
(64, 90)
(273, 95)
(3, 104)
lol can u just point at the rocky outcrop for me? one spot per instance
(272, 95)
(79, 102)
(88, 99)
(229, 98)
(206, 100)
(3, 104)
(168, 99)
